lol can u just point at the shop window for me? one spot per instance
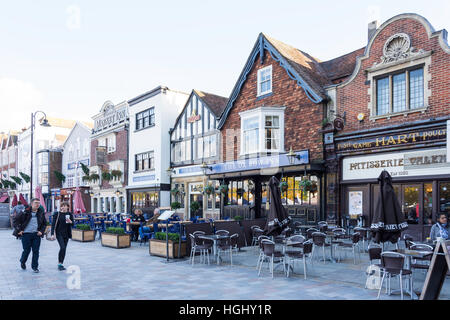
(145, 119)
(145, 199)
(428, 203)
(145, 161)
(250, 139)
(272, 133)
(444, 197)
(295, 196)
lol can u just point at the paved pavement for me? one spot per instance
(131, 273)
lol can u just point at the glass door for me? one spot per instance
(410, 203)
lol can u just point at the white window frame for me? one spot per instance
(261, 113)
(260, 71)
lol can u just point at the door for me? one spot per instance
(195, 196)
(357, 204)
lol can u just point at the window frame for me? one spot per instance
(259, 81)
(139, 164)
(145, 119)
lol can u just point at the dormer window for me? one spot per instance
(264, 80)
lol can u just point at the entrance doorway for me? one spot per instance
(195, 200)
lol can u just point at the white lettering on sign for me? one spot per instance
(111, 118)
(412, 163)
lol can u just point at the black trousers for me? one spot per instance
(31, 242)
(62, 241)
(135, 230)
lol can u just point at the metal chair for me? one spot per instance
(297, 227)
(374, 251)
(354, 244)
(415, 263)
(392, 266)
(362, 236)
(292, 255)
(323, 226)
(224, 245)
(260, 238)
(270, 254)
(256, 232)
(201, 245)
(319, 241)
(222, 232)
(408, 239)
(234, 241)
(310, 231)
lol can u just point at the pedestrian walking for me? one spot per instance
(15, 210)
(30, 225)
(62, 222)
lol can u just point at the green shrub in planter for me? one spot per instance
(283, 186)
(208, 189)
(115, 230)
(175, 205)
(305, 185)
(223, 188)
(175, 237)
(84, 227)
(238, 218)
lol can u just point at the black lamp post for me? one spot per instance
(44, 124)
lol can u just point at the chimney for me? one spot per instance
(371, 29)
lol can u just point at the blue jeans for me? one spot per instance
(31, 242)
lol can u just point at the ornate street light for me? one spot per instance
(291, 155)
(44, 123)
(170, 171)
(205, 168)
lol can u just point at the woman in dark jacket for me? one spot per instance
(63, 231)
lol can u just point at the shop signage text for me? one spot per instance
(393, 140)
(413, 163)
(111, 117)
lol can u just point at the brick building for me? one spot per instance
(390, 106)
(109, 159)
(278, 104)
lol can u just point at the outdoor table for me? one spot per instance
(214, 238)
(409, 254)
(80, 219)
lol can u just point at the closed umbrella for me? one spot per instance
(278, 218)
(388, 221)
(40, 196)
(78, 205)
(22, 200)
(14, 201)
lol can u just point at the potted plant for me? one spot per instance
(83, 233)
(116, 238)
(106, 176)
(195, 207)
(238, 218)
(175, 205)
(283, 186)
(305, 185)
(208, 189)
(94, 177)
(116, 174)
(223, 188)
(313, 188)
(158, 245)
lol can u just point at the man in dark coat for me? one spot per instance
(30, 225)
(388, 220)
(278, 219)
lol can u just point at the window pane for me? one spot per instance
(382, 96)
(416, 89)
(399, 92)
(444, 197)
(428, 203)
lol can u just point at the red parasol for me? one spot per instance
(78, 205)
(14, 201)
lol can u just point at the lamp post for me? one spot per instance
(44, 124)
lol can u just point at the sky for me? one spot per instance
(67, 58)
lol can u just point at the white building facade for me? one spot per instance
(152, 115)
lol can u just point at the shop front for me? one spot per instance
(417, 161)
(247, 185)
(146, 199)
(190, 195)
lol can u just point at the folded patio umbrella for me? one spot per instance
(78, 205)
(22, 200)
(277, 219)
(388, 220)
(14, 201)
(40, 196)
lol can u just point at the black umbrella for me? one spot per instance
(388, 220)
(278, 218)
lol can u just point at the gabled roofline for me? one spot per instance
(73, 129)
(262, 44)
(442, 34)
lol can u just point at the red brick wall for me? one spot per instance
(303, 118)
(354, 98)
(120, 154)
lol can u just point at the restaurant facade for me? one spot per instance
(195, 146)
(108, 172)
(272, 125)
(392, 114)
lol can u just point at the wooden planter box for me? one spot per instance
(83, 235)
(116, 240)
(158, 248)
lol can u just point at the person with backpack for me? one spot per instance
(30, 226)
(62, 222)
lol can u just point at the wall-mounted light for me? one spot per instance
(291, 155)
(205, 168)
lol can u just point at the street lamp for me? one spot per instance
(44, 123)
(291, 155)
(205, 168)
(169, 171)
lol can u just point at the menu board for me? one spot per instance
(355, 203)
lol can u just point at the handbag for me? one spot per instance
(48, 233)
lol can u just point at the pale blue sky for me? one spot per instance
(120, 49)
